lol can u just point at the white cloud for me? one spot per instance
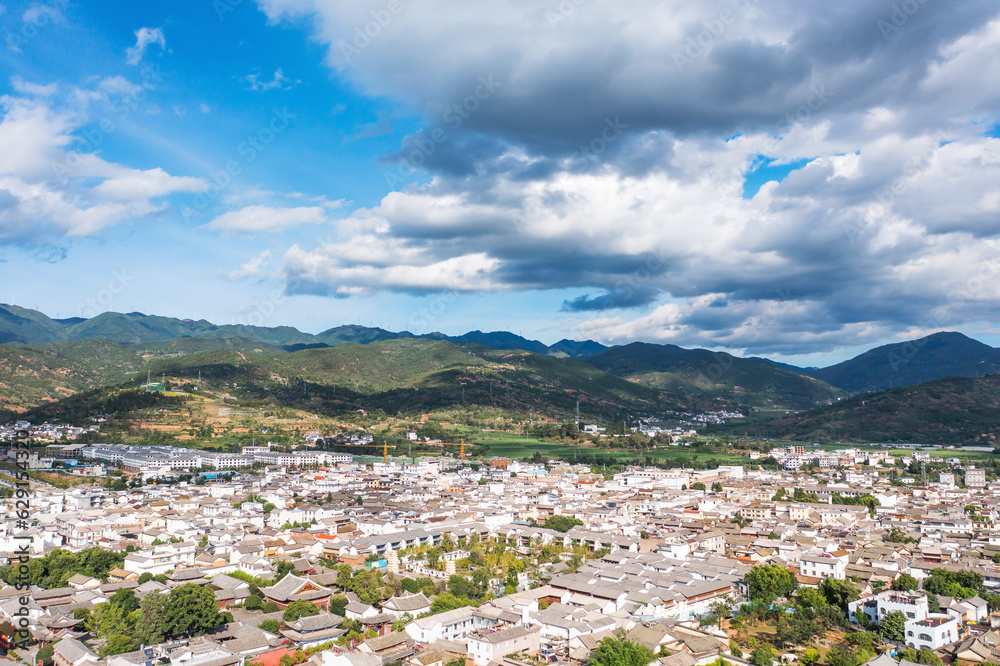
(266, 219)
(143, 38)
(251, 268)
(53, 185)
(119, 85)
(33, 89)
(803, 264)
(204, 108)
(278, 82)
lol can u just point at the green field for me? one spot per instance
(507, 445)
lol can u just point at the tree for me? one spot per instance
(365, 584)
(191, 610)
(862, 640)
(344, 573)
(720, 609)
(460, 586)
(447, 601)
(269, 607)
(562, 523)
(117, 644)
(124, 599)
(897, 535)
(620, 652)
(410, 585)
(838, 656)
(270, 626)
(697, 485)
(839, 593)
(299, 608)
(905, 582)
(253, 602)
(893, 626)
(338, 603)
(812, 598)
(716, 487)
(770, 581)
(149, 620)
(44, 655)
(762, 655)
(796, 628)
(921, 656)
(145, 577)
(809, 657)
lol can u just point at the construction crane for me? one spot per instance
(461, 453)
(385, 450)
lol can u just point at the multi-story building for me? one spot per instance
(823, 566)
(975, 478)
(486, 647)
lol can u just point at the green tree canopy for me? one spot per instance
(893, 626)
(839, 592)
(562, 523)
(769, 581)
(299, 608)
(191, 610)
(620, 652)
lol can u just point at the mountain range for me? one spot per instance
(45, 359)
(26, 326)
(954, 410)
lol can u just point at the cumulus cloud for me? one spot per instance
(267, 219)
(885, 225)
(143, 38)
(53, 185)
(251, 268)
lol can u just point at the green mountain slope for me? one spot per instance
(914, 362)
(32, 327)
(28, 326)
(945, 411)
(414, 375)
(31, 376)
(714, 376)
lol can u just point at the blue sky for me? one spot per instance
(733, 174)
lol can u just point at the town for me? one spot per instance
(273, 557)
